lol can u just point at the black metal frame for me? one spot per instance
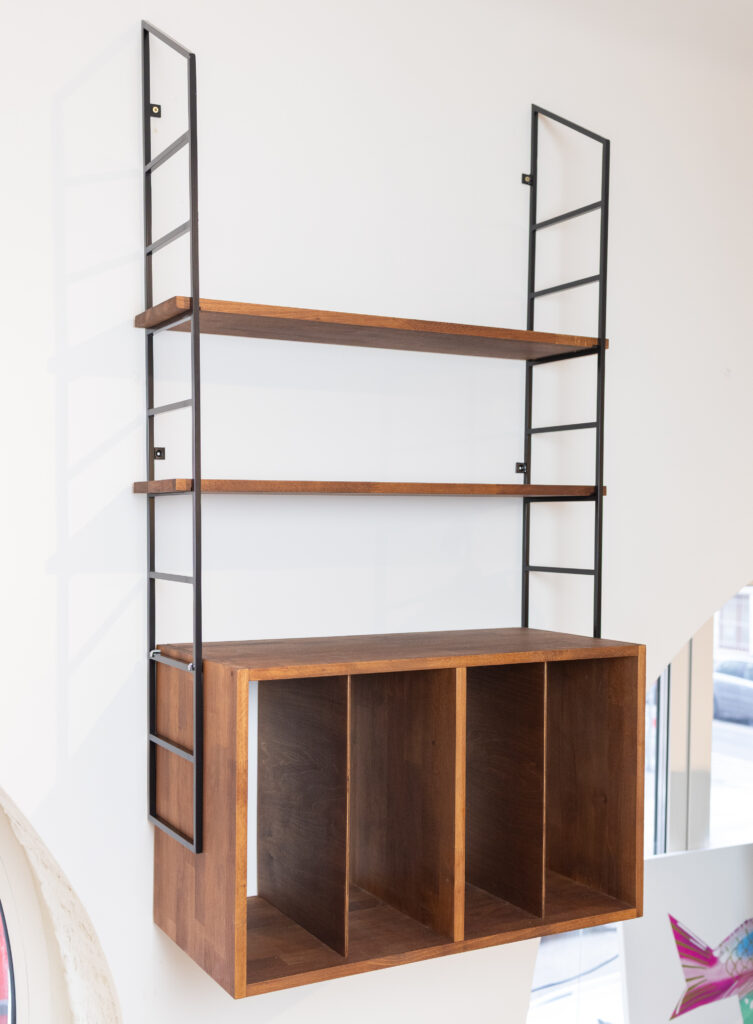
(195, 756)
(531, 179)
(191, 227)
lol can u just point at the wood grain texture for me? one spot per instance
(404, 813)
(302, 836)
(506, 709)
(322, 656)
(283, 955)
(250, 320)
(595, 773)
(183, 485)
(200, 901)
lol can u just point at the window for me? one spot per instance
(732, 731)
(7, 1000)
(733, 629)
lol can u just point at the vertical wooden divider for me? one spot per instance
(407, 830)
(302, 838)
(506, 792)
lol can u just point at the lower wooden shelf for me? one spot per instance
(282, 954)
(417, 795)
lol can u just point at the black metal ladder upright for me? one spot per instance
(534, 226)
(195, 756)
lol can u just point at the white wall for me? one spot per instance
(362, 157)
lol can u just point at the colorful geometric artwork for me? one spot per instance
(714, 974)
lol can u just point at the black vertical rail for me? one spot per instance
(530, 306)
(151, 618)
(600, 351)
(198, 666)
(600, 374)
(196, 755)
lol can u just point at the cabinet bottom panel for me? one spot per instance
(282, 954)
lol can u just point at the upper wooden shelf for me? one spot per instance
(399, 652)
(184, 485)
(285, 323)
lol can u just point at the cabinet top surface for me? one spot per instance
(285, 323)
(327, 656)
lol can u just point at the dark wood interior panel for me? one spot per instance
(506, 711)
(407, 829)
(302, 838)
(595, 774)
(200, 901)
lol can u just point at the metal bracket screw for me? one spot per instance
(155, 110)
(159, 453)
(521, 467)
(527, 179)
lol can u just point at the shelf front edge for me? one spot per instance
(284, 323)
(185, 485)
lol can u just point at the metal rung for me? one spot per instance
(567, 216)
(551, 568)
(169, 237)
(562, 426)
(184, 666)
(168, 408)
(166, 153)
(168, 325)
(183, 839)
(171, 577)
(562, 497)
(173, 748)
(564, 287)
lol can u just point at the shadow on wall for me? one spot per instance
(61, 974)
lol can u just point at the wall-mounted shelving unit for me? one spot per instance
(418, 794)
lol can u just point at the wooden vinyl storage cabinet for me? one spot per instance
(417, 794)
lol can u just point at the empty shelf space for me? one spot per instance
(185, 485)
(570, 905)
(284, 323)
(282, 954)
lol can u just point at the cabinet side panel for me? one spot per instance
(303, 803)
(595, 772)
(406, 813)
(505, 783)
(200, 900)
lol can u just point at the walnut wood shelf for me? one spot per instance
(284, 323)
(418, 794)
(185, 486)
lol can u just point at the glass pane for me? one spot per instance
(577, 979)
(7, 1009)
(732, 736)
(649, 829)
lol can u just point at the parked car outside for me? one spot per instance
(733, 689)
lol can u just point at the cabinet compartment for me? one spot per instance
(406, 829)
(594, 806)
(302, 820)
(506, 711)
